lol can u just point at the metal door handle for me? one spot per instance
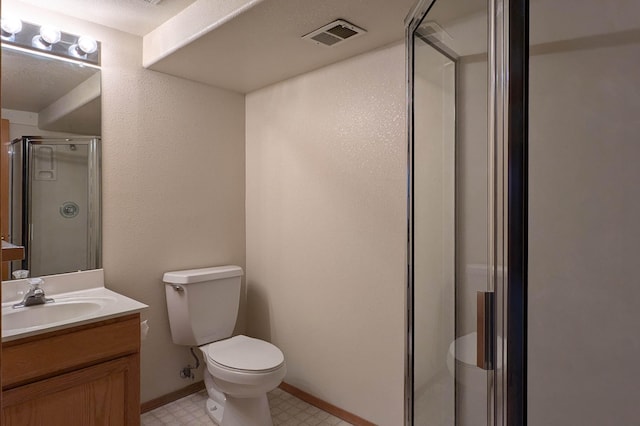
(484, 320)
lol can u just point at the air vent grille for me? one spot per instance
(334, 33)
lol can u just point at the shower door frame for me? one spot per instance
(508, 188)
(517, 198)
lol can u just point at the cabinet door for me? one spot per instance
(104, 394)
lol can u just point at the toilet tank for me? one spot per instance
(203, 303)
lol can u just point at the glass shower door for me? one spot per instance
(434, 235)
(451, 258)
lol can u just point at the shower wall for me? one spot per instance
(583, 228)
(471, 196)
(59, 242)
(471, 234)
(434, 148)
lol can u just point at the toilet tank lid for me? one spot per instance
(190, 276)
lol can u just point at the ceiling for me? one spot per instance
(132, 16)
(263, 44)
(244, 45)
(26, 88)
(254, 45)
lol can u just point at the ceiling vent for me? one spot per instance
(153, 2)
(334, 33)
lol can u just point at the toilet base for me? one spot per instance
(215, 410)
(240, 411)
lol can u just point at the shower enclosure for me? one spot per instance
(523, 213)
(54, 203)
(467, 187)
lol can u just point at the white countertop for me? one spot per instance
(77, 287)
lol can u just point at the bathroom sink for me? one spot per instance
(50, 313)
(80, 298)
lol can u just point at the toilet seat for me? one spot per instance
(244, 355)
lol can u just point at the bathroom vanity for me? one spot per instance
(80, 366)
(82, 375)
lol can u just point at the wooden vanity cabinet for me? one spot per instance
(86, 375)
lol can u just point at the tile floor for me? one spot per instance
(286, 410)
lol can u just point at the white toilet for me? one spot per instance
(203, 307)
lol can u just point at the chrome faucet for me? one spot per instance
(35, 295)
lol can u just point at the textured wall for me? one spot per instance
(173, 195)
(326, 229)
(173, 184)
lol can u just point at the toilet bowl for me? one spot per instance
(461, 363)
(240, 370)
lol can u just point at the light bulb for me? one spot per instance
(50, 35)
(87, 44)
(11, 25)
(47, 38)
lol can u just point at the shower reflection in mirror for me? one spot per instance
(54, 197)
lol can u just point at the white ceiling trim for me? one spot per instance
(190, 24)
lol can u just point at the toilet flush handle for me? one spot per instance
(177, 287)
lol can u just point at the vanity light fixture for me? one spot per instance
(49, 40)
(10, 27)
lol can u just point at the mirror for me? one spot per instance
(51, 126)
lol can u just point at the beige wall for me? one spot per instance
(173, 195)
(326, 230)
(173, 184)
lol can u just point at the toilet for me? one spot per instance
(240, 370)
